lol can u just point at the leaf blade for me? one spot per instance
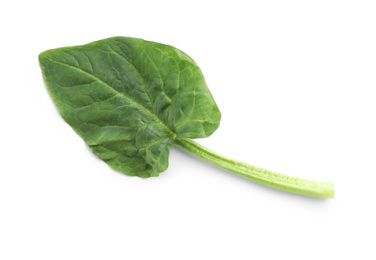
(129, 92)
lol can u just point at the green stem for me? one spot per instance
(268, 178)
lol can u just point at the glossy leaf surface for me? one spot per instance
(129, 99)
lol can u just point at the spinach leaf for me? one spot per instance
(131, 99)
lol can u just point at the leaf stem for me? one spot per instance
(268, 178)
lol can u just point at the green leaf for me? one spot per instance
(129, 99)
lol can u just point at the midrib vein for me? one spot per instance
(134, 102)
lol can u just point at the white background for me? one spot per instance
(295, 82)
